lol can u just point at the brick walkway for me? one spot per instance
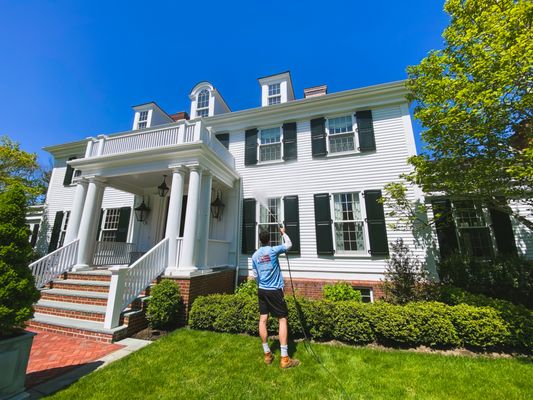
(53, 354)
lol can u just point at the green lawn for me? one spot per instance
(204, 365)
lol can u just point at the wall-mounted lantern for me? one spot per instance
(141, 212)
(217, 207)
(163, 188)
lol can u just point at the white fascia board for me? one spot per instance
(363, 98)
(67, 149)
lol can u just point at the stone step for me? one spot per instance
(94, 275)
(75, 296)
(88, 312)
(80, 285)
(77, 327)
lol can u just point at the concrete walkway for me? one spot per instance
(57, 361)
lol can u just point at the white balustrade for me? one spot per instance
(113, 253)
(54, 264)
(217, 253)
(152, 138)
(128, 282)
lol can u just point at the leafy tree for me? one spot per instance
(18, 166)
(475, 99)
(17, 288)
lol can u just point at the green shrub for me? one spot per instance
(480, 327)
(406, 278)
(248, 288)
(164, 304)
(205, 310)
(518, 318)
(341, 291)
(17, 286)
(351, 322)
(508, 278)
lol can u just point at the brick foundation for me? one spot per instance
(221, 281)
(312, 288)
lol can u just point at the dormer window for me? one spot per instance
(274, 94)
(143, 120)
(202, 107)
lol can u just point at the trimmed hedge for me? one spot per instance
(163, 305)
(426, 323)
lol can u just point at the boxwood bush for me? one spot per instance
(163, 305)
(433, 324)
(341, 291)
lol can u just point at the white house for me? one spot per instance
(320, 162)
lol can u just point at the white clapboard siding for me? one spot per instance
(307, 176)
(523, 235)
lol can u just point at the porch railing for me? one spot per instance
(157, 137)
(113, 253)
(127, 283)
(54, 264)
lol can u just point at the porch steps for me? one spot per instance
(75, 305)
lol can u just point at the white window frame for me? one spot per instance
(260, 145)
(103, 228)
(281, 217)
(275, 96)
(63, 229)
(352, 132)
(205, 109)
(371, 292)
(142, 123)
(484, 220)
(366, 242)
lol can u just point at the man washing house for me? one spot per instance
(267, 271)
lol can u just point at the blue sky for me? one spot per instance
(72, 69)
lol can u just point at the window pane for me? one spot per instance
(202, 113)
(468, 214)
(274, 100)
(273, 231)
(274, 89)
(141, 125)
(338, 144)
(274, 215)
(270, 152)
(271, 135)
(349, 236)
(143, 116)
(340, 125)
(203, 99)
(476, 242)
(349, 227)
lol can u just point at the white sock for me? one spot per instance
(284, 351)
(266, 349)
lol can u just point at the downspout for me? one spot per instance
(237, 236)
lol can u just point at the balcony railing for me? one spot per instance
(182, 132)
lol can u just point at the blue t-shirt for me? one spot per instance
(266, 267)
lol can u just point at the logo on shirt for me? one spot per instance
(264, 259)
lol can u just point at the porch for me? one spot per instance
(177, 237)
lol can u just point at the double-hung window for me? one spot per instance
(143, 120)
(340, 132)
(270, 144)
(348, 223)
(202, 104)
(268, 220)
(109, 227)
(63, 229)
(274, 94)
(472, 229)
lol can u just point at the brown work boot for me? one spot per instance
(287, 362)
(269, 357)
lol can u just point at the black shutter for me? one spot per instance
(69, 173)
(123, 224)
(503, 231)
(292, 222)
(289, 141)
(34, 234)
(365, 130)
(248, 226)
(324, 235)
(183, 212)
(56, 230)
(99, 227)
(224, 139)
(250, 149)
(375, 218)
(445, 227)
(318, 137)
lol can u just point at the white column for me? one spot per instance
(174, 218)
(73, 226)
(89, 224)
(205, 218)
(188, 262)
